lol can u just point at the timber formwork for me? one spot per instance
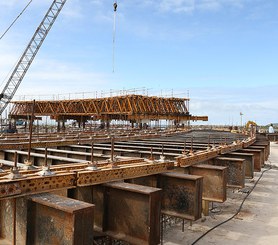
(129, 107)
(121, 187)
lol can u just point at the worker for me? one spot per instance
(271, 129)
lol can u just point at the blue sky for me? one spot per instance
(224, 52)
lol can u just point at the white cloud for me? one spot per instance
(188, 6)
(5, 3)
(177, 5)
(223, 105)
(96, 2)
(72, 11)
(52, 77)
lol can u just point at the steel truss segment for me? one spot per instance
(36, 184)
(32, 184)
(86, 178)
(130, 107)
(185, 161)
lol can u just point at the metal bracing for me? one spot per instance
(129, 107)
(29, 53)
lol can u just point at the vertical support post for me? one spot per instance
(205, 205)
(58, 126)
(45, 157)
(14, 171)
(161, 229)
(31, 131)
(209, 142)
(83, 123)
(112, 148)
(151, 157)
(183, 222)
(63, 126)
(14, 221)
(92, 151)
(15, 160)
(45, 168)
(92, 165)
(184, 147)
(191, 149)
(46, 125)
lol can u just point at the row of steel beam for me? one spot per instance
(128, 210)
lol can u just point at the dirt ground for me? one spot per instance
(257, 222)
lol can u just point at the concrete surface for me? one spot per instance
(256, 223)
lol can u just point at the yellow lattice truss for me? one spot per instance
(129, 107)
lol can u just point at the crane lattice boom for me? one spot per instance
(29, 54)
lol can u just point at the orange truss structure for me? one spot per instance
(128, 107)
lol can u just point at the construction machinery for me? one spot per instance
(29, 53)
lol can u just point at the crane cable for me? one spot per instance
(115, 5)
(15, 20)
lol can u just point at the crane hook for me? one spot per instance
(115, 5)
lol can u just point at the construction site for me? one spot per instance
(127, 169)
(100, 183)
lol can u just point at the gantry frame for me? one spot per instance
(128, 107)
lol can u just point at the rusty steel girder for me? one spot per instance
(249, 141)
(191, 158)
(194, 158)
(257, 158)
(128, 212)
(232, 147)
(182, 195)
(266, 145)
(182, 190)
(235, 171)
(272, 137)
(36, 184)
(21, 141)
(249, 162)
(68, 177)
(262, 149)
(214, 182)
(54, 219)
(86, 178)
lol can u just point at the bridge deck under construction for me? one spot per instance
(108, 180)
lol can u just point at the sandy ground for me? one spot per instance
(257, 222)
